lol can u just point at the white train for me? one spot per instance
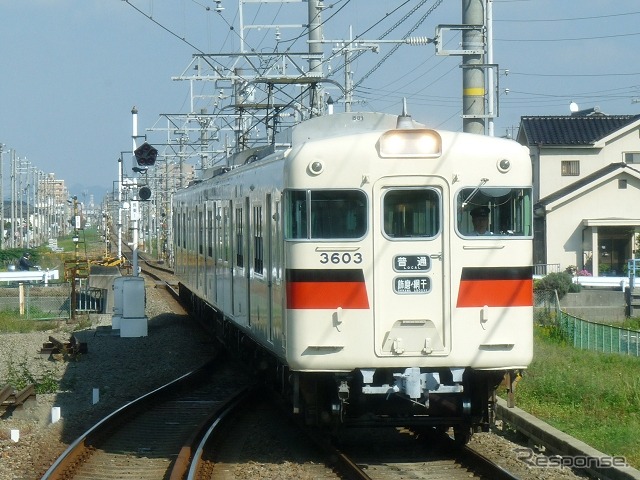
(345, 258)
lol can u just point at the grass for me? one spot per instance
(11, 322)
(592, 396)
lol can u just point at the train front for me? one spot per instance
(398, 309)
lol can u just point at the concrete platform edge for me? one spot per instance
(558, 442)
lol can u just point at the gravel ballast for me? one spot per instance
(122, 369)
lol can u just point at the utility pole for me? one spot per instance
(135, 205)
(76, 267)
(473, 72)
(315, 52)
(13, 200)
(491, 88)
(120, 207)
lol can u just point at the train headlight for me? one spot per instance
(316, 167)
(419, 142)
(504, 165)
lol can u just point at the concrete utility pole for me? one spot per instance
(14, 214)
(473, 73)
(315, 50)
(135, 206)
(491, 88)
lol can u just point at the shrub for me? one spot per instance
(560, 282)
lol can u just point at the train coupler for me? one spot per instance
(413, 383)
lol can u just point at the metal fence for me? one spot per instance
(89, 299)
(599, 337)
(37, 301)
(584, 334)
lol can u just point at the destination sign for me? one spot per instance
(411, 285)
(411, 263)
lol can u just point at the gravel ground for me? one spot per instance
(123, 369)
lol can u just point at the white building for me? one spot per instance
(586, 177)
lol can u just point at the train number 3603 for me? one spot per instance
(338, 257)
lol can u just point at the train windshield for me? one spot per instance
(325, 214)
(483, 212)
(411, 213)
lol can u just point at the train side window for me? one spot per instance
(218, 234)
(239, 238)
(411, 213)
(325, 214)
(210, 233)
(338, 214)
(296, 214)
(258, 242)
(509, 211)
(226, 235)
(183, 229)
(200, 233)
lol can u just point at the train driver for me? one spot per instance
(480, 220)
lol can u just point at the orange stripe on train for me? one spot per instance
(496, 287)
(307, 289)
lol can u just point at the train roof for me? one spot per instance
(338, 124)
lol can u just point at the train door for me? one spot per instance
(241, 262)
(191, 246)
(209, 287)
(223, 263)
(260, 284)
(268, 262)
(410, 239)
(276, 246)
(200, 245)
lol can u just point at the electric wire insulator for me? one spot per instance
(418, 40)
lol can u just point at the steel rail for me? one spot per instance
(100, 430)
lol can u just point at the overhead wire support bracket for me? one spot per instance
(441, 29)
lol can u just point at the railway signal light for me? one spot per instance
(146, 155)
(144, 193)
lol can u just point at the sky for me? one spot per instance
(72, 70)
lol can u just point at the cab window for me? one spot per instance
(486, 212)
(411, 213)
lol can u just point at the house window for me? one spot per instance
(570, 168)
(631, 157)
(622, 184)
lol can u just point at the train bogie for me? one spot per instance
(387, 269)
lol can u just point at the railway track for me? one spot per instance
(265, 442)
(149, 437)
(399, 454)
(463, 466)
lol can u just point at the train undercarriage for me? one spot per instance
(360, 399)
(462, 399)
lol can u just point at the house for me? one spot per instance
(586, 178)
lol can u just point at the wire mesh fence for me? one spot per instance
(585, 334)
(599, 337)
(37, 301)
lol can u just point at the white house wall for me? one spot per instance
(590, 160)
(566, 235)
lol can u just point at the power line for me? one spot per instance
(576, 39)
(598, 17)
(574, 74)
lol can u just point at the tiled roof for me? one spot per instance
(572, 130)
